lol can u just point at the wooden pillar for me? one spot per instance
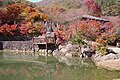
(33, 45)
(46, 49)
(46, 45)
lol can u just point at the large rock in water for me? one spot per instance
(57, 54)
(116, 79)
(64, 50)
(68, 48)
(109, 61)
(109, 64)
(115, 49)
(99, 58)
(65, 53)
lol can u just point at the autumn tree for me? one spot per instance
(11, 13)
(18, 19)
(92, 7)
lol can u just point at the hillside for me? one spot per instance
(66, 3)
(60, 10)
(4, 3)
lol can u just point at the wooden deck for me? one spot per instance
(44, 42)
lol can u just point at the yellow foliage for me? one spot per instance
(37, 16)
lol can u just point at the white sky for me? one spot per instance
(34, 0)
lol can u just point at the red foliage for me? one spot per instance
(91, 30)
(7, 30)
(26, 17)
(11, 13)
(23, 29)
(14, 11)
(59, 35)
(109, 35)
(3, 16)
(93, 8)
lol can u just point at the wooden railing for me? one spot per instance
(43, 40)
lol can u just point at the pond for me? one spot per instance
(29, 66)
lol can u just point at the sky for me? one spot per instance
(34, 0)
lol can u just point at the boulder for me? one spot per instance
(57, 53)
(116, 79)
(89, 53)
(110, 64)
(69, 46)
(110, 61)
(68, 55)
(75, 48)
(115, 49)
(110, 56)
(61, 47)
(99, 58)
(63, 50)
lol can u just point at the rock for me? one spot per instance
(75, 48)
(49, 51)
(109, 61)
(89, 53)
(110, 51)
(56, 53)
(69, 46)
(62, 59)
(116, 79)
(68, 55)
(109, 64)
(64, 50)
(98, 58)
(96, 55)
(61, 47)
(115, 49)
(110, 56)
(69, 63)
(65, 60)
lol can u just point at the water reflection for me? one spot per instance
(52, 69)
(20, 55)
(73, 61)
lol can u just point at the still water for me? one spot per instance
(29, 66)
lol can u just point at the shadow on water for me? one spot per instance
(1, 46)
(25, 66)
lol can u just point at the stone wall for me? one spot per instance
(23, 43)
(18, 45)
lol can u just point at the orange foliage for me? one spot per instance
(92, 7)
(37, 16)
(14, 11)
(62, 34)
(17, 19)
(109, 35)
(36, 29)
(90, 29)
